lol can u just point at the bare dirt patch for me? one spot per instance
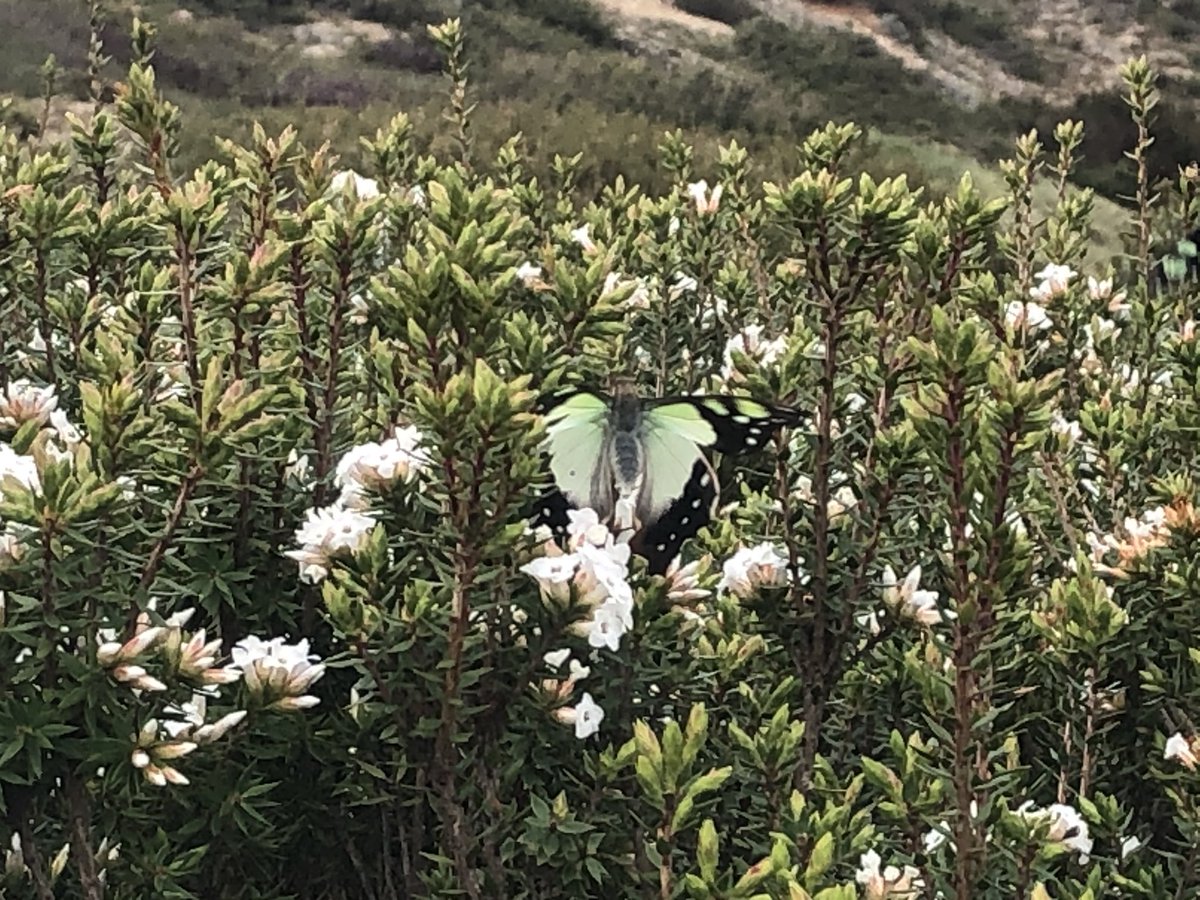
(662, 12)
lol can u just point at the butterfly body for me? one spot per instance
(640, 464)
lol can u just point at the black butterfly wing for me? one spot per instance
(742, 425)
(660, 541)
(551, 510)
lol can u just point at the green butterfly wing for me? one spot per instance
(575, 432)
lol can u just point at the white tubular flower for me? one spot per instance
(206, 734)
(198, 656)
(707, 202)
(364, 188)
(555, 658)
(553, 575)
(1180, 749)
(609, 623)
(66, 431)
(1064, 826)
(530, 275)
(752, 568)
(1028, 315)
(1052, 281)
(908, 601)
(582, 236)
(586, 716)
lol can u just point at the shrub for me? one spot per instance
(274, 622)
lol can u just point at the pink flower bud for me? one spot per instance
(140, 759)
(127, 672)
(173, 750)
(141, 642)
(290, 704)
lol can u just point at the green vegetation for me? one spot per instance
(277, 428)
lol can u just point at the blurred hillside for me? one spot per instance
(944, 85)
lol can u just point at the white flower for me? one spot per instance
(364, 188)
(750, 342)
(586, 716)
(416, 196)
(908, 601)
(1029, 315)
(578, 671)
(1130, 845)
(553, 574)
(583, 238)
(67, 432)
(869, 621)
(297, 467)
(360, 310)
(1103, 290)
(23, 469)
(683, 284)
(22, 401)
(555, 658)
(1065, 824)
(610, 620)
(706, 201)
(529, 274)
(640, 296)
(754, 567)
(1179, 749)
(1054, 280)
(328, 532)
(1068, 427)
(891, 882)
(935, 837)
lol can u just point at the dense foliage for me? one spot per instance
(274, 625)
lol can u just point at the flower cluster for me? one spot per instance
(192, 658)
(586, 715)
(343, 527)
(375, 466)
(22, 402)
(596, 568)
(278, 674)
(753, 568)
(1064, 825)
(750, 342)
(887, 883)
(1133, 540)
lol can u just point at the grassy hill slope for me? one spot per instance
(945, 86)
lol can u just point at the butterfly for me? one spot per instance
(641, 464)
